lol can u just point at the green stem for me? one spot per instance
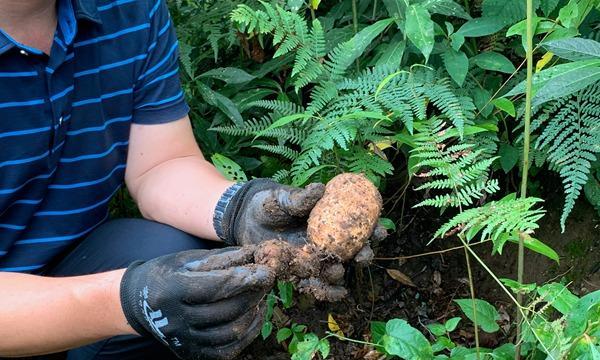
(313, 15)
(355, 25)
(472, 289)
(526, 145)
(374, 10)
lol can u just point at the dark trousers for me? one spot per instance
(115, 245)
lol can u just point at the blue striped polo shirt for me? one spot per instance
(65, 120)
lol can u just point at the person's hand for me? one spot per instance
(265, 210)
(202, 304)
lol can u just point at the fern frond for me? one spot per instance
(282, 150)
(571, 140)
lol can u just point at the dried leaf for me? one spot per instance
(400, 277)
(333, 326)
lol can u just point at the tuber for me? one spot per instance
(345, 217)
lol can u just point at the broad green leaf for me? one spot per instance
(480, 27)
(286, 292)
(419, 29)
(446, 7)
(266, 329)
(395, 8)
(508, 11)
(443, 343)
(437, 329)
(404, 341)
(230, 75)
(377, 331)
(586, 308)
(307, 348)
(494, 61)
(324, 348)
(574, 49)
(228, 168)
(548, 6)
(283, 334)
(541, 78)
(504, 352)
(539, 247)
(568, 14)
(505, 105)
(223, 103)
(509, 156)
(457, 65)
(558, 296)
(487, 315)
(392, 55)
(564, 85)
(451, 324)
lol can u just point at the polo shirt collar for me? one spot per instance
(68, 12)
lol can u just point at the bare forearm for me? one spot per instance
(183, 193)
(40, 315)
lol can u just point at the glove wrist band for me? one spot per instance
(220, 209)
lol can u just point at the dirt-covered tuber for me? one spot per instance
(344, 219)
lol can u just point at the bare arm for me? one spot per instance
(40, 315)
(170, 179)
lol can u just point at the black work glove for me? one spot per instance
(202, 304)
(265, 210)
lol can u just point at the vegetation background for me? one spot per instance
(474, 118)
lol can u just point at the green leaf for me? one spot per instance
(404, 341)
(283, 334)
(286, 291)
(457, 65)
(377, 331)
(228, 168)
(443, 343)
(419, 29)
(223, 103)
(509, 156)
(451, 324)
(324, 348)
(566, 84)
(447, 8)
(539, 247)
(558, 296)
(574, 49)
(295, 5)
(437, 329)
(307, 348)
(266, 329)
(517, 287)
(505, 105)
(568, 14)
(504, 352)
(548, 6)
(586, 308)
(487, 315)
(230, 75)
(480, 27)
(541, 78)
(494, 61)
(392, 55)
(283, 121)
(395, 8)
(388, 224)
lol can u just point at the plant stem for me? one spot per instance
(355, 25)
(526, 144)
(472, 289)
(313, 15)
(374, 10)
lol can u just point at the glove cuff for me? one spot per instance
(237, 204)
(221, 207)
(132, 302)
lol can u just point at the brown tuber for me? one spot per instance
(345, 217)
(339, 227)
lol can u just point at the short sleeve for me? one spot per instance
(158, 96)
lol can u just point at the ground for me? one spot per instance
(439, 278)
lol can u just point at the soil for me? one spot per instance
(440, 278)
